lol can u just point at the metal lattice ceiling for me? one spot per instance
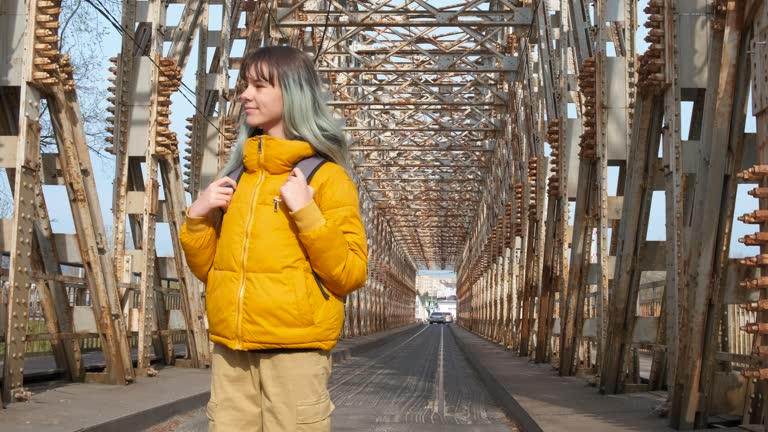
(422, 86)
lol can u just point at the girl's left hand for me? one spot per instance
(295, 192)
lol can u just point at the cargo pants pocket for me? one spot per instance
(210, 412)
(314, 416)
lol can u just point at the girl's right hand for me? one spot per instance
(217, 194)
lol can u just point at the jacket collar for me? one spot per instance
(274, 155)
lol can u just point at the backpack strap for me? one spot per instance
(236, 172)
(310, 165)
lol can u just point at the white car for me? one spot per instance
(437, 317)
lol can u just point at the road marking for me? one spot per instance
(440, 379)
(438, 395)
(372, 362)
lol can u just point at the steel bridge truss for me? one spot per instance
(482, 137)
(586, 289)
(424, 90)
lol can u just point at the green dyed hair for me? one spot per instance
(306, 117)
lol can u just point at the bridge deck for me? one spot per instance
(415, 378)
(57, 407)
(541, 400)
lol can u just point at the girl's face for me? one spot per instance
(263, 104)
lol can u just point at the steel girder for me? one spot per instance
(146, 157)
(33, 70)
(543, 290)
(422, 89)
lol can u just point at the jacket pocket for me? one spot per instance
(220, 303)
(317, 295)
(305, 303)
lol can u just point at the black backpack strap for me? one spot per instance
(236, 172)
(310, 165)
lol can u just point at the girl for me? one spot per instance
(282, 256)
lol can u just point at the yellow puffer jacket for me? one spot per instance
(261, 292)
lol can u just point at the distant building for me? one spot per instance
(422, 308)
(447, 305)
(439, 287)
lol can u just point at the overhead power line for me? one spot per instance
(112, 20)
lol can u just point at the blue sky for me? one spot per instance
(437, 273)
(181, 108)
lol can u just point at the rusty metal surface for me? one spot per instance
(482, 138)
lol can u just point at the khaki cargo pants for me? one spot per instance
(269, 392)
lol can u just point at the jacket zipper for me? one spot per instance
(254, 196)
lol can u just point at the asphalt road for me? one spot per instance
(418, 381)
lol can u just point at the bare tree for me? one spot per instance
(82, 36)
(6, 206)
